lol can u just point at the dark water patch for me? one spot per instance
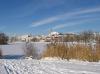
(12, 57)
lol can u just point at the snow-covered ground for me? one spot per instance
(43, 66)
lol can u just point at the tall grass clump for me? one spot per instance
(95, 54)
(77, 51)
(57, 50)
(98, 51)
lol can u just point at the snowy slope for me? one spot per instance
(48, 67)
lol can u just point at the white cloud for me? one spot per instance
(72, 23)
(65, 16)
(48, 20)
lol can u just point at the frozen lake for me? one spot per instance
(15, 50)
(18, 48)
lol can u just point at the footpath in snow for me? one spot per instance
(48, 67)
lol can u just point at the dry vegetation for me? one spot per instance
(55, 51)
(78, 51)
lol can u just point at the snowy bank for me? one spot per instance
(48, 67)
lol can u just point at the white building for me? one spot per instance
(54, 36)
(25, 38)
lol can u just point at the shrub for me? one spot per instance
(34, 39)
(30, 50)
(3, 38)
(0, 53)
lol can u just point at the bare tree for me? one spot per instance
(86, 36)
(77, 38)
(34, 39)
(70, 38)
(97, 38)
(13, 39)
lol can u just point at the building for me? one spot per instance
(54, 36)
(25, 38)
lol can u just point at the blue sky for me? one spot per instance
(39, 16)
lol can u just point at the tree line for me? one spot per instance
(85, 36)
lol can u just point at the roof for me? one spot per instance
(54, 33)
